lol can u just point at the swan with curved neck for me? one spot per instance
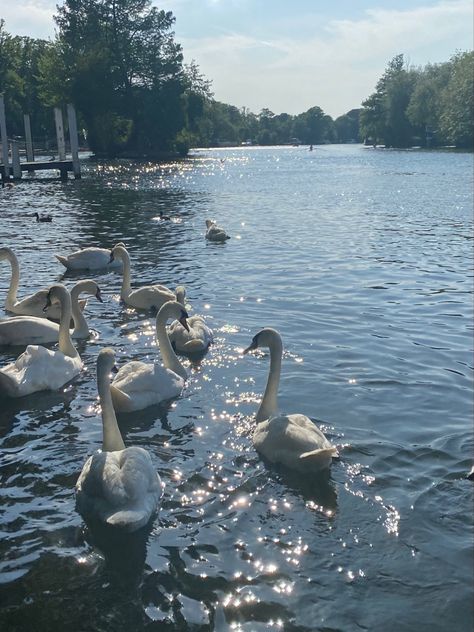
(32, 305)
(38, 368)
(215, 232)
(137, 384)
(118, 486)
(22, 330)
(196, 338)
(146, 297)
(292, 440)
(91, 258)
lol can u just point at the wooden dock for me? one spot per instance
(15, 167)
(63, 166)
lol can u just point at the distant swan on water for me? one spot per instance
(91, 258)
(118, 486)
(292, 440)
(215, 232)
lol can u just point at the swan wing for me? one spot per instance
(150, 297)
(120, 488)
(27, 330)
(144, 384)
(39, 369)
(294, 441)
(91, 258)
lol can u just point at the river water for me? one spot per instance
(362, 259)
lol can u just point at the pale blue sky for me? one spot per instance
(289, 56)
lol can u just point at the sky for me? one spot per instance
(287, 55)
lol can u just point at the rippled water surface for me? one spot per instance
(362, 259)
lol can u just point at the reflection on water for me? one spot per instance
(362, 260)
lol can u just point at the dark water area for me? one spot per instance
(362, 259)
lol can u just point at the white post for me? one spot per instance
(29, 142)
(3, 134)
(16, 160)
(72, 122)
(58, 118)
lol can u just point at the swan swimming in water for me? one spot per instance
(215, 232)
(32, 305)
(146, 297)
(38, 368)
(292, 440)
(196, 338)
(118, 486)
(137, 384)
(90, 259)
(22, 330)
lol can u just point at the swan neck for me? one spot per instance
(81, 329)
(126, 279)
(65, 342)
(14, 282)
(269, 404)
(170, 359)
(112, 438)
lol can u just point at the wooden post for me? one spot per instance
(73, 140)
(29, 142)
(16, 160)
(58, 118)
(3, 134)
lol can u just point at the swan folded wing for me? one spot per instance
(21, 329)
(150, 296)
(139, 378)
(88, 259)
(287, 437)
(38, 368)
(121, 487)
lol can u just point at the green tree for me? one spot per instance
(457, 102)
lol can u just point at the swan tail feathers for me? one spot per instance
(130, 519)
(321, 453)
(62, 260)
(194, 346)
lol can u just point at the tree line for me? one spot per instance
(119, 63)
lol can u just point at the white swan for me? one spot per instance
(146, 297)
(293, 440)
(137, 384)
(89, 259)
(38, 368)
(32, 305)
(118, 486)
(215, 232)
(194, 339)
(22, 330)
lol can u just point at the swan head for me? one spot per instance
(265, 338)
(54, 295)
(88, 286)
(106, 361)
(181, 294)
(5, 253)
(173, 309)
(117, 252)
(209, 223)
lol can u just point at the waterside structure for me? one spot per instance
(12, 167)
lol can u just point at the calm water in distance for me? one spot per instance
(362, 259)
